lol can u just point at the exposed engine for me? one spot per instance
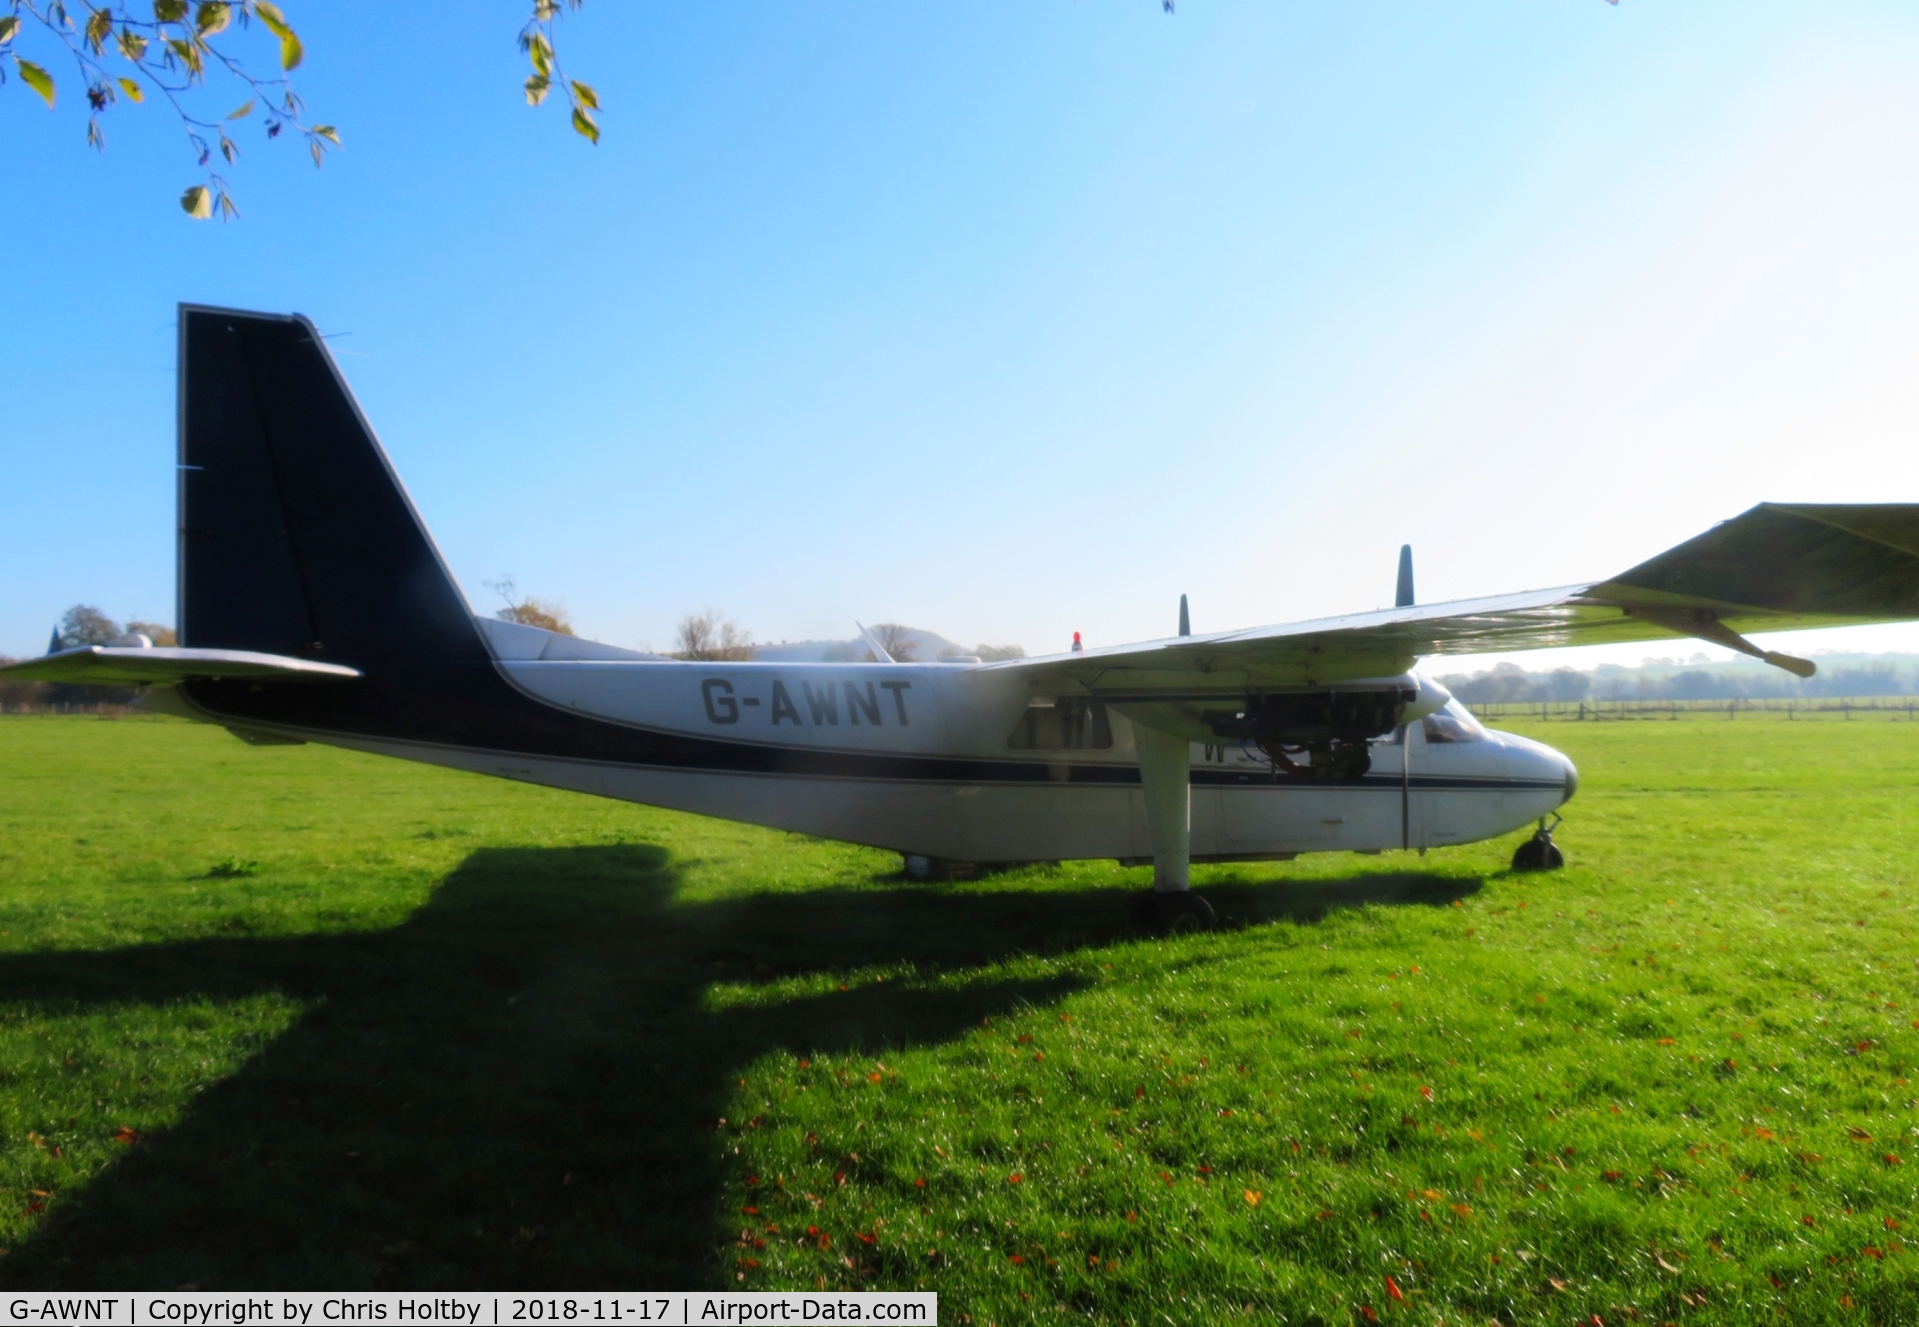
(1315, 734)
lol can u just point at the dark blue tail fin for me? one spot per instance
(295, 535)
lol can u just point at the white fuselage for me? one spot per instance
(940, 760)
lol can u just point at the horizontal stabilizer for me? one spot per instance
(161, 666)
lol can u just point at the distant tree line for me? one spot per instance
(708, 635)
(83, 624)
(1508, 684)
(704, 635)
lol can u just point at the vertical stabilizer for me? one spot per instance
(295, 535)
(1403, 592)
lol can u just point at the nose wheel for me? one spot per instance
(1540, 853)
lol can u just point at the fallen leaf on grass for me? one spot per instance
(1857, 1134)
(1016, 1178)
(1556, 1284)
(1252, 1197)
(126, 1137)
(1392, 1288)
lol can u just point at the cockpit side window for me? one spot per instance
(1451, 723)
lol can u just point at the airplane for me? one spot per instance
(314, 607)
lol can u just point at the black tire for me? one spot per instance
(1175, 912)
(1538, 853)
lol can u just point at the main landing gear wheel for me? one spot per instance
(1174, 912)
(1539, 853)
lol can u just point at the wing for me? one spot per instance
(161, 666)
(1775, 568)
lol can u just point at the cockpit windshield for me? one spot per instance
(1451, 723)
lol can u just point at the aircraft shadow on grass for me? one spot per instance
(519, 1086)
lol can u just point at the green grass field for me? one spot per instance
(293, 1017)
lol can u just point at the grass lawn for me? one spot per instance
(291, 1017)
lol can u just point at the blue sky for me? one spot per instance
(1014, 319)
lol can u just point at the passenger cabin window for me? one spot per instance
(1068, 723)
(1451, 723)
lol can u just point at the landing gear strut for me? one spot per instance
(1165, 775)
(1540, 853)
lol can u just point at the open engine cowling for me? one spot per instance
(1307, 732)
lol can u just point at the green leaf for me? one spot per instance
(36, 78)
(541, 53)
(242, 113)
(99, 28)
(188, 54)
(197, 202)
(132, 44)
(212, 16)
(169, 11)
(586, 96)
(291, 52)
(8, 26)
(536, 87)
(583, 126)
(132, 89)
(328, 132)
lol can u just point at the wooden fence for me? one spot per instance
(1842, 709)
